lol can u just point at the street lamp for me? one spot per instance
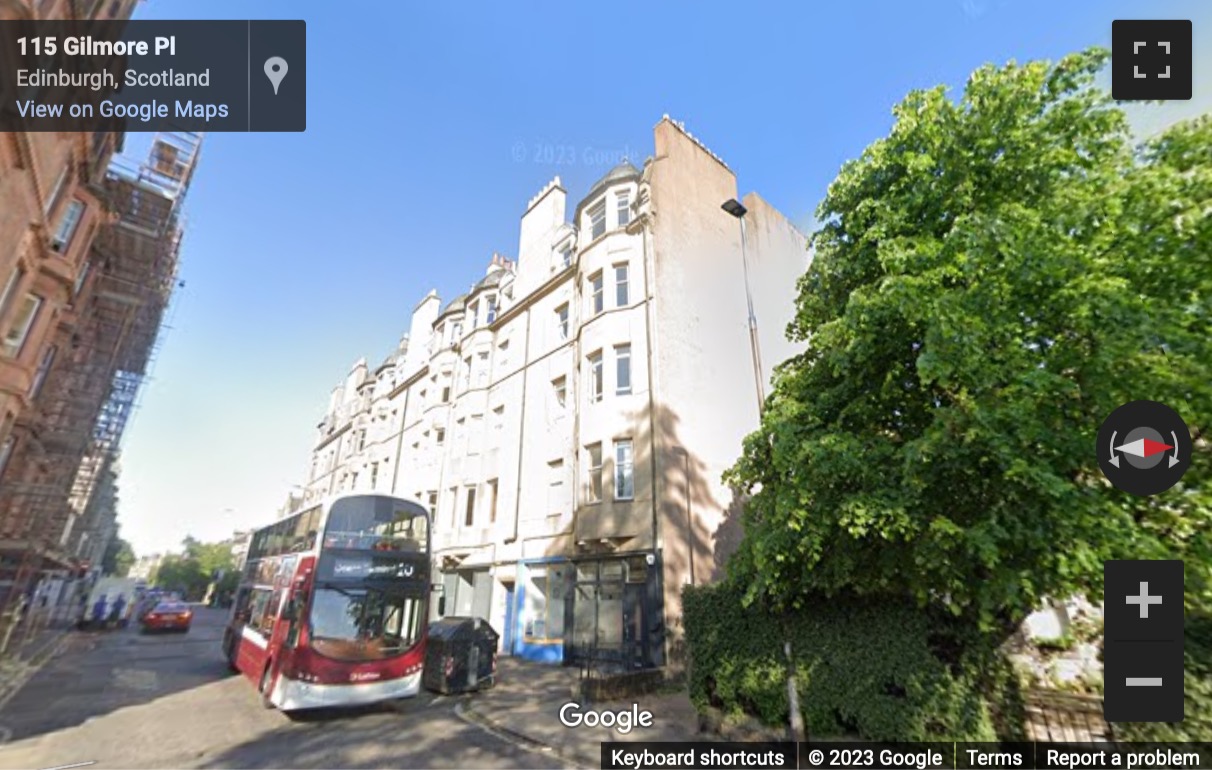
(734, 207)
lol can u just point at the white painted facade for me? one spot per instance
(568, 419)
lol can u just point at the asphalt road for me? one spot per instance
(124, 700)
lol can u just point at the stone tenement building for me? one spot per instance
(567, 420)
(88, 260)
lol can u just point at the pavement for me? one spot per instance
(527, 699)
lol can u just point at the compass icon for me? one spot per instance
(1144, 448)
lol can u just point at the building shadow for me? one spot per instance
(99, 672)
(682, 515)
(420, 732)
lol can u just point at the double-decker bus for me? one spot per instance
(332, 604)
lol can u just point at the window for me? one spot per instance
(490, 314)
(559, 389)
(456, 332)
(556, 496)
(6, 451)
(622, 295)
(566, 257)
(595, 376)
(466, 373)
(432, 500)
(439, 436)
(454, 506)
(361, 440)
(597, 220)
(492, 501)
(622, 370)
(503, 353)
(48, 358)
(594, 485)
(562, 321)
(624, 208)
(469, 515)
(67, 226)
(475, 436)
(545, 591)
(475, 315)
(597, 295)
(261, 617)
(374, 475)
(498, 419)
(482, 370)
(23, 321)
(445, 394)
(624, 470)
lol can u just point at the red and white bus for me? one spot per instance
(333, 603)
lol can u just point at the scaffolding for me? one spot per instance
(80, 415)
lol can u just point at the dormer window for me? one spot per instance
(597, 220)
(475, 315)
(624, 208)
(566, 257)
(490, 314)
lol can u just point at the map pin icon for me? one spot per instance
(275, 70)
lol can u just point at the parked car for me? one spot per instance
(168, 616)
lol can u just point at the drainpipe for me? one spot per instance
(517, 498)
(395, 473)
(650, 300)
(649, 280)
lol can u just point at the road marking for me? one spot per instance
(77, 764)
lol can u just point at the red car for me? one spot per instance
(168, 616)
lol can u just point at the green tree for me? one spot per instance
(991, 280)
(119, 557)
(195, 568)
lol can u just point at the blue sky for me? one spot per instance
(429, 127)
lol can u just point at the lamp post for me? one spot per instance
(734, 207)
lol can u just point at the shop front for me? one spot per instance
(605, 609)
(540, 620)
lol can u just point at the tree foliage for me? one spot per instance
(119, 557)
(991, 280)
(193, 570)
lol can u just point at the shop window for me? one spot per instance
(546, 592)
